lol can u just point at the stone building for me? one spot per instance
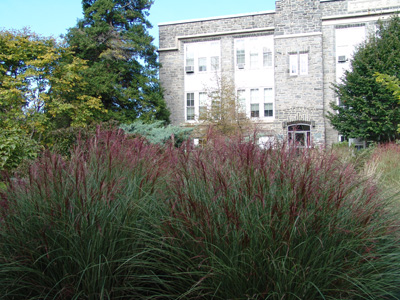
(283, 63)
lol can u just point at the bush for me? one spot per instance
(15, 148)
(126, 219)
(157, 132)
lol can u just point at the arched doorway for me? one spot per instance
(299, 135)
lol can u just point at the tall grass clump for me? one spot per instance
(384, 164)
(86, 228)
(125, 219)
(281, 224)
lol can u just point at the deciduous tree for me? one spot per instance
(41, 83)
(223, 111)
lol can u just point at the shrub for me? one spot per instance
(15, 148)
(157, 132)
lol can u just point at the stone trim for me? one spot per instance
(350, 25)
(218, 18)
(205, 35)
(287, 36)
(359, 15)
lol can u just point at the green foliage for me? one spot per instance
(157, 132)
(42, 85)
(368, 110)
(15, 147)
(62, 141)
(122, 60)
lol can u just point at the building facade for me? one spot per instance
(282, 63)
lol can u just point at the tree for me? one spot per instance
(367, 109)
(223, 110)
(41, 83)
(113, 37)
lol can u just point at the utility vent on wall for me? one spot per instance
(189, 69)
(342, 59)
(240, 66)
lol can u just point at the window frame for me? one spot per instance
(190, 105)
(255, 102)
(268, 98)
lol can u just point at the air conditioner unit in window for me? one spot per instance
(189, 69)
(342, 59)
(240, 66)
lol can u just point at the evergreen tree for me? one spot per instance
(367, 109)
(113, 36)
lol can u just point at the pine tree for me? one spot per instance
(113, 37)
(367, 109)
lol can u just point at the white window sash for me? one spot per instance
(303, 63)
(293, 64)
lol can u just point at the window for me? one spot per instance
(293, 65)
(242, 100)
(241, 108)
(254, 103)
(202, 105)
(268, 102)
(189, 58)
(190, 106)
(267, 57)
(216, 109)
(240, 54)
(303, 57)
(268, 110)
(298, 64)
(214, 63)
(253, 58)
(299, 135)
(202, 64)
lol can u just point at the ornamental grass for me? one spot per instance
(125, 219)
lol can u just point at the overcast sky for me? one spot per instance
(54, 17)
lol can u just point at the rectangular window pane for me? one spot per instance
(268, 102)
(190, 106)
(268, 95)
(268, 110)
(202, 105)
(216, 109)
(189, 57)
(304, 64)
(215, 63)
(254, 96)
(242, 101)
(240, 57)
(202, 64)
(294, 65)
(255, 111)
(267, 57)
(240, 53)
(190, 99)
(253, 60)
(190, 113)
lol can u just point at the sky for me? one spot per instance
(54, 17)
